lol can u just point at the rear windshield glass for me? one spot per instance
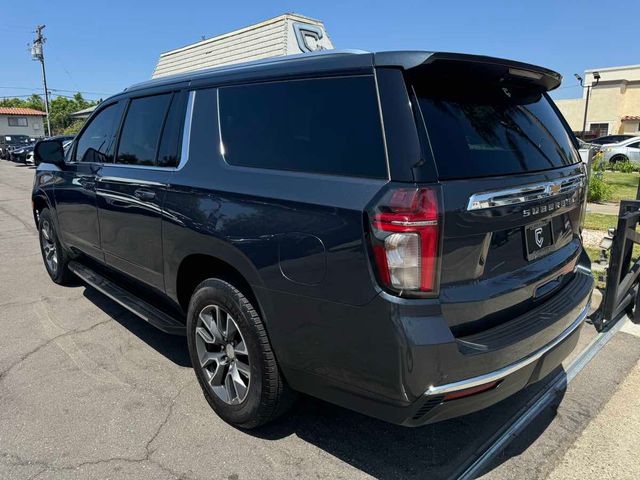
(478, 131)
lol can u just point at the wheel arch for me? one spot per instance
(196, 267)
(39, 203)
(619, 157)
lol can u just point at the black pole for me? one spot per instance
(586, 108)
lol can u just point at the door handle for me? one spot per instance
(144, 194)
(87, 184)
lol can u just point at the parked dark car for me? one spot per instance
(375, 230)
(19, 154)
(22, 155)
(611, 139)
(9, 142)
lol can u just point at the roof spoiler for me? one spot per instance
(478, 65)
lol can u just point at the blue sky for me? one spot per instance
(101, 47)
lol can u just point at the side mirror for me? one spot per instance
(49, 151)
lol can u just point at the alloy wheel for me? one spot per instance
(49, 246)
(223, 354)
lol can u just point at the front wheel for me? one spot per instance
(232, 356)
(56, 260)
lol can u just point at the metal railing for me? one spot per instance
(622, 275)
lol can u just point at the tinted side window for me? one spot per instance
(329, 125)
(141, 130)
(169, 153)
(96, 141)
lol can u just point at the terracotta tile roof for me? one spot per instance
(20, 111)
(631, 117)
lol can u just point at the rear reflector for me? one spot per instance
(467, 392)
(406, 239)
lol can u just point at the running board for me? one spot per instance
(135, 305)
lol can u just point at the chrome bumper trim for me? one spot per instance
(509, 369)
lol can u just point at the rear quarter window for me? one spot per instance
(488, 130)
(329, 126)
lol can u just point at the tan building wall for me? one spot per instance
(616, 96)
(573, 111)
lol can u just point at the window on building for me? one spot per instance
(18, 122)
(599, 129)
(329, 125)
(141, 130)
(96, 140)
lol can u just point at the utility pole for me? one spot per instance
(37, 53)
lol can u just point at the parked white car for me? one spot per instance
(627, 150)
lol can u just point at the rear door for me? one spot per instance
(512, 187)
(131, 190)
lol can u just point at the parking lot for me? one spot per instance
(87, 390)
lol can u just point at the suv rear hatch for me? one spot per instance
(510, 182)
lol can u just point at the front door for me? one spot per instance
(76, 193)
(633, 152)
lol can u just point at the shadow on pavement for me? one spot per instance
(388, 451)
(171, 346)
(377, 448)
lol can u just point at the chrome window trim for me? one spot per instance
(129, 181)
(525, 193)
(184, 150)
(186, 131)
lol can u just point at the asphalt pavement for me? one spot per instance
(89, 391)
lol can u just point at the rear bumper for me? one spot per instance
(397, 360)
(434, 407)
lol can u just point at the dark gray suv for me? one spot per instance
(396, 232)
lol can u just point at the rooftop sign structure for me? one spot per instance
(286, 34)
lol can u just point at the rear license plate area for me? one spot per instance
(538, 239)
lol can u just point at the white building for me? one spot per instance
(21, 121)
(286, 34)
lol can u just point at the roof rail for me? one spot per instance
(236, 66)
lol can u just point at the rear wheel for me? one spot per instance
(232, 356)
(56, 260)
(619, 159)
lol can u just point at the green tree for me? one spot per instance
(60, 110)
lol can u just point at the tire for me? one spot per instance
(55, 258)
(619, 158)
(224, 350)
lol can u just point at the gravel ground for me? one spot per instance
(592, 238)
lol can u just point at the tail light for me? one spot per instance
(406, 239)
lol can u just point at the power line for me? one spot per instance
(57, 90)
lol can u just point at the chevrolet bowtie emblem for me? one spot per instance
(554, 188)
